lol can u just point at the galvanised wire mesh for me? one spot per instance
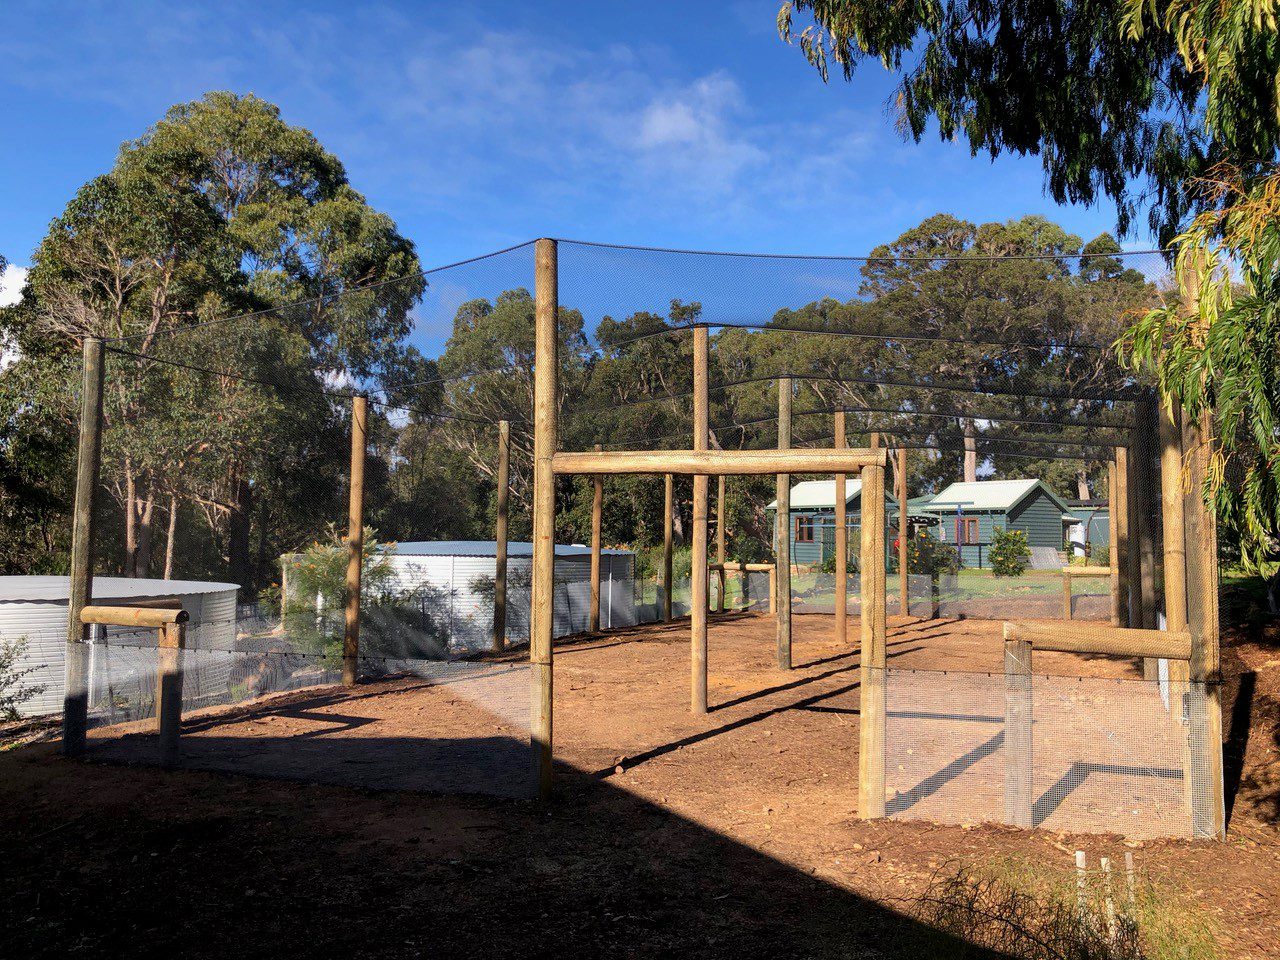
(1107, 754)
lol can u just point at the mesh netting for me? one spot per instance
(1106, 755)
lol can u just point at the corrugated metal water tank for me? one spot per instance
(456, 576)
(35, 608)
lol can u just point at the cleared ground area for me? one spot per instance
(730, 834)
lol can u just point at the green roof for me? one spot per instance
(1000, 495)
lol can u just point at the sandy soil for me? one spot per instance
(731, 834)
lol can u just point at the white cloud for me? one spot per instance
(12, 282)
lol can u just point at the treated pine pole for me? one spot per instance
(699, 599)
(500, 538)
(1113, 547)
(782, 531)
(871, 755)
(597, 508)
(668, 511)
(1121, 542)
(355, 540)
(904, 593)
(720, 536)
(173, 638)
(75, 706)
(1146, 485)
(1018, 781)
(1066, 595)
(546, 369)
(842, 538)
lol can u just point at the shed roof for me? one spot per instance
(819, 494)
(1001, 495)
(487, 548)
(50, 588)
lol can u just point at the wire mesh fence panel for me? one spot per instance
(1087, 754)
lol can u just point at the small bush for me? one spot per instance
(1010, 554)
(927, 555)
(829, 564)
(13, 692)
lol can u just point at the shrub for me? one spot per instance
(851, 565)
(927, 555)
(13, 692)
(1010, 554)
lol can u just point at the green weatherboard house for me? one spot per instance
(813, 519)
(965, 513)
(969, 514)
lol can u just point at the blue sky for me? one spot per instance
(480, 125)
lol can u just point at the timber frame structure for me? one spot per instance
(1161, 442)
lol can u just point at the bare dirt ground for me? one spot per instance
(734, 834)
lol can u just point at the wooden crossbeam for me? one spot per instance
(718, 462)
(1100, 639)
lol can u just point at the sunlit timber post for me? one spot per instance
(668, 511)
(720, 534)
(544, 511)
(782, 531)
(355, 540)
(597, 508)
(842, 539)
(500, 538)
(1121, 538)
(698, 600)
(75, 705)
(1118, 598)
(871, 755)
(904, 593)
(1204, 703)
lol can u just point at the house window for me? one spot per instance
(971, 531)
(804, 529)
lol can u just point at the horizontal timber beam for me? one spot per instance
(136, 616)
(1086, 571)
(719, 462)
(741, 567)
(1100, 639)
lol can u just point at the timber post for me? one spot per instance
(500, 538)
(782, 531)
(1121, 540)
(173, 638)
(75, 706)
(698, 601)
(720, 541)
(355, 540)
(1018, 745)
(597, 509)
(668, 510)
(842, 538)
(546, 370)
(904, 592)
(871, 753)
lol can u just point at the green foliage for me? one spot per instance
(927, 555)
(852, 564)
(1010, 554)
(13, 692)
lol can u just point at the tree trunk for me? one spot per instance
(173, 532)
(238, 533)
(1082, 485)
(970, 453)
(130, 521)
(146, 513)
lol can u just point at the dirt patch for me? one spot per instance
(731, 834)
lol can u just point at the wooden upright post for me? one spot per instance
(173, 637)
(871, 756)
(1121, 540)
(668, 509)
(782, 531)
(1144, 489)
(355, 540)
(698, 600)
(75, 704)
(1113, 547)
(720, 536)
(597, 509)
(842, 539)
(904, 593)
(1175, 551)
(1018, 745)
(500, 538)
(541, 615)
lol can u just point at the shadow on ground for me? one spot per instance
(106, 860)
